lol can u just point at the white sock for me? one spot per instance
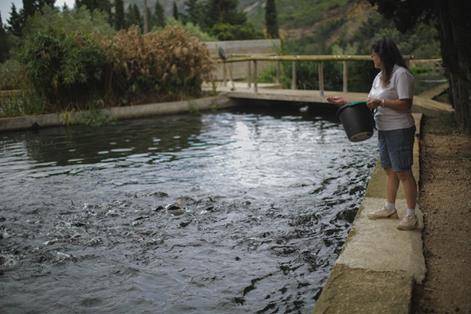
(389, 206)
(410, 211)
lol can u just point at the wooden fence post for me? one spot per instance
(224, 79)
(293, 75)
(249, 74)
(231, 76)
(345, 77)
(321, 78)
(255, 84)
(278, 72)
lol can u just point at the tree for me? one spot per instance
(4, 47)
(271, 19)
(193, 12)
(150, 19)
(175, 10)
(102, 5)
(146, 17)
(134, 16)
(28, 8)
(159, 17)
(15, 21)
(224, 12)
(452, 20)
(119, 22)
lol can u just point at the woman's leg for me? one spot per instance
(392, 185)
(409, 187)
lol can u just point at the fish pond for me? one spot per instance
(237, 211)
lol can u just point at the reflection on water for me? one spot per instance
(227, 212)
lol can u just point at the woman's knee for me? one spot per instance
(389, 172)
(404, 175)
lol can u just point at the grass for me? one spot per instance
(22, 103)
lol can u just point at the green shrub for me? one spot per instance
(77, 20)
(12, 75)
(235, 32)
(22, 103)
(65, 69)
(191, 28)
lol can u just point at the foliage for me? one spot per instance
(119, 21)
(158, 18)
(78, 20)
(406, 14)
(65, 69)
(93, 116)
(175, 11)
(193, 12)
(12, 75)
(25, 103)
(420, 42)
(4, 42)
(224, 12)
(168, 63)
(96, 5)
(235, 32)
(302, 13)
(191, 28)
(15, 21)
(271, 19)
(19, 18)
(133, 17)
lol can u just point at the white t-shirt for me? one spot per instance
(401, 86)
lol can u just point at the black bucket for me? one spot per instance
(357, 120)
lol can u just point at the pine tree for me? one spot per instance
(175, 10)
(15, 22)
(224, 12)
(119, 22)
(271, 19)
(192, 11)
(92, 5)
(159, 16)
(134, 16)
(151, 19)
(29, 8)
(41, 3)
(4, 47)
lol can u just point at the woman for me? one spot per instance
(391, 95)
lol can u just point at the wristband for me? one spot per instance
(382, 102)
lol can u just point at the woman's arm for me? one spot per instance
(401, 105)
(337, 100)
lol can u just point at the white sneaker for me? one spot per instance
(383, 214)
(408, 222)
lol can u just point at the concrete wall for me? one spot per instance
(118, 113)
(251, 47)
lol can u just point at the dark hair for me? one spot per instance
(389, 55)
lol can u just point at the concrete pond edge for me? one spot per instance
(116, 113)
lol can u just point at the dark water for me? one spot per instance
(261, 206)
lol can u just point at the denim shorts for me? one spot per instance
(396, 148)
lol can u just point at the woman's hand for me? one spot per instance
(337, 100)
(374, 103)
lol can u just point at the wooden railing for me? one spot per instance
(252, 70)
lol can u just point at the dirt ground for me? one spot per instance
(445, 198)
